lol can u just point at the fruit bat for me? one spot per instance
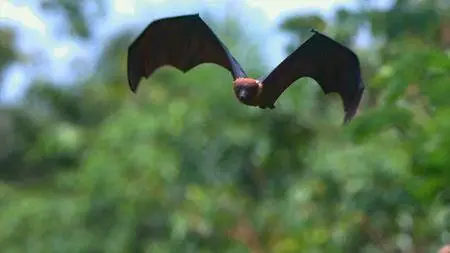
(186, 41)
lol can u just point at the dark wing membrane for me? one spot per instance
(182, 42)
(332, 65)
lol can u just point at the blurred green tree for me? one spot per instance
(183, 167)
(8, 52)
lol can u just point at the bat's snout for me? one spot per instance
(243, 95)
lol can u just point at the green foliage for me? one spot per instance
(181, 166)
(8, 54)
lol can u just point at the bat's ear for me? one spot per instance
(313, 30)
(260, 85)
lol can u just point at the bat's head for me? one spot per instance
(247, 90)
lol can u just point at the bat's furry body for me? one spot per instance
(186, 41)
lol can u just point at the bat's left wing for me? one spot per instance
(183, 42)
(332, 65)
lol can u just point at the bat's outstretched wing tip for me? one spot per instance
(348, 117)
(352, 109)
(133, 84)
(133, 88)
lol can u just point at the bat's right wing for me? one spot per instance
(332, 65)
(182, 42)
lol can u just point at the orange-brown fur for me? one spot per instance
(249, 82)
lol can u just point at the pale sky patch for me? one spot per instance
(274, 9)
(61, 51)
(125, 7)
(21, 14)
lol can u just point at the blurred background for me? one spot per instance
(87, 166)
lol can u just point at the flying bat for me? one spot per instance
(186, 41)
